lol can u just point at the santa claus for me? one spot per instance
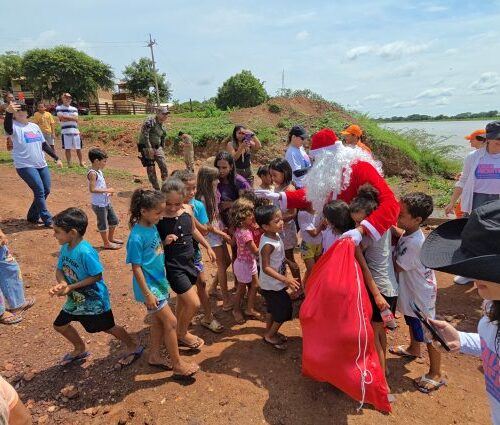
(337, 173)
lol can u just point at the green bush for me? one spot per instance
(273, 108)
(241, 90)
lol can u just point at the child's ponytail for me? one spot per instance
(367, 200)
(143, 199)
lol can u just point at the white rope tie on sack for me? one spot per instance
(366, 375)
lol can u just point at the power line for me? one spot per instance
(150, 45)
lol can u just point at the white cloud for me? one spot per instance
(405, 104)
(371, 97)
(302, 35)
(390, 51)
(436, 92)
(406, 70)
(442, 101)
(487, 82)
(350, 88)
(485, 92)
(433, 8)
(451, 52)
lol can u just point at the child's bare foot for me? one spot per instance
(131, 356)
(117, 241)
(185, 370)
(164, 363)
(238, 317)
(253, 314)
(112, 246)
(401, 351)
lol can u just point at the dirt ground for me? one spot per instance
(241, 380)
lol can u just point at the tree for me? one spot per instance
(51, 72)
(242, 90)
(11, 67)
(140, 81)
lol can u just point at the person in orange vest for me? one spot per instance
(352, 137)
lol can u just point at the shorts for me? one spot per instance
(310, 250)
(416, 326)
(392, 301)
(214, 240)
(181, 281)
(161, 304)
(92, 323)
(198, 261)
(48, 138)
(106, 217)
(279, 305)
(243, 270)
(71, 141)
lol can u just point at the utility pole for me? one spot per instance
(283, 82)
(150, 45)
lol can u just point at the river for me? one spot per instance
(453, 131)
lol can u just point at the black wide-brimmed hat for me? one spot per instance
(467, 247)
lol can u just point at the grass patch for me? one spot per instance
(131, 117)
(101, 133)
(203, 130)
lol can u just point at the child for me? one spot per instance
(79, 277)
(145, 254)
(245, 265)
(187, 150)
(281, 172)
(207, 193)
(378, 257)
(266, 181)
(177, 230)
(201, 218)
(101, 204)
(417, 284)
(47, 124)
(337, 221)
(273, 282)
(310, 231)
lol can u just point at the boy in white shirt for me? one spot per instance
(311, 247)
(417, 284)
(70, 134)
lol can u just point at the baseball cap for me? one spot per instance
(467, 246)
(163, 110)
(353, 129)
(493, 130)
(476, 133)
(299, 131)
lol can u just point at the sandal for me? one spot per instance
(213, 325)
(11, 319)
(185, 376)
(401, 352)
(253, 316)
(193, 346)
(69, 358)
(30, 302)
(238, 317)
(112, 247)
(281, 346)
(227, 308)
(424, 380)
(135, 356)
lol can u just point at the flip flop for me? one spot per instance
(425, 380)
(280, 346)
(238, 320)
(227, 308)
(118, 241)
(401, 352)
(69, 358)
(194, 346)
(10, 320)
(213, 325)
(184, 377)
(252, 316)
(136, 355)
(112, 247)
(30, 302)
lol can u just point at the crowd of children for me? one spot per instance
(217, 209)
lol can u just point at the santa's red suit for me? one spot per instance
(337, 173)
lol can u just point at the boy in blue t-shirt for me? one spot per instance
(79, 277)
(201, 219)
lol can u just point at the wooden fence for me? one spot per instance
(112, 108)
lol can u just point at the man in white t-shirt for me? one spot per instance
(70, 134)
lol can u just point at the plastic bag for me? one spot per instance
(338, 342)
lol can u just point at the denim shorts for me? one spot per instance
(161, 304)
(106, 217)
(198, 261)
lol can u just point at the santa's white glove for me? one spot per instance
(354, 234)
(268, 194)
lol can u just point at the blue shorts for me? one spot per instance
(161, 304)
(198, 261)
(416, 326)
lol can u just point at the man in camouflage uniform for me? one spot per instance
(150, 146)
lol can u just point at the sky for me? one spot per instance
(384, 57)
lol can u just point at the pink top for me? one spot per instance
(243, 236)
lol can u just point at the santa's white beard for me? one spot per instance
(331, 173)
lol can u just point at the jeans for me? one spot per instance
(38, 179)
(11, 281)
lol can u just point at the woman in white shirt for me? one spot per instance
(470, 247)
(296, 155)
(28, 146)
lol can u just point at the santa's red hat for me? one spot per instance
(323, 140)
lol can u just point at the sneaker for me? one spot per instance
(461, 280)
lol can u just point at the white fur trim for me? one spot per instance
(374, 233)
(283, 201)
(331, 148)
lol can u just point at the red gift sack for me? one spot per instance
(338, 344)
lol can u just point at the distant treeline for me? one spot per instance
(462, 116)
